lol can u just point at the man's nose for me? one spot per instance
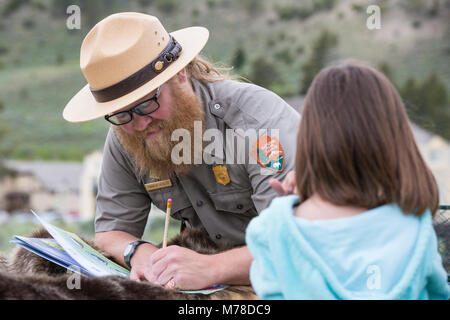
(141, 123)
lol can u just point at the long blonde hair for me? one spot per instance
(203, 70)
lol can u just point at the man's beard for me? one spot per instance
(154, 155)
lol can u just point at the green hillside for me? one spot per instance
(272, 43)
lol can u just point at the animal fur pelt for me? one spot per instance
(27, 276)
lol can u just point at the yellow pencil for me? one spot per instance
(166, 226)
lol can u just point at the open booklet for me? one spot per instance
(70, 251)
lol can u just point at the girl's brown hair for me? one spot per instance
(355, 145)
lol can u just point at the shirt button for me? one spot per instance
(240, 206)
(199, 203)
(218, 236)
(217, 106)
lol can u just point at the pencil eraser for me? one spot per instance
(169, 200)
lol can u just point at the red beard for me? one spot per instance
(155, 154)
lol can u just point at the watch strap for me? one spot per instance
(127, 257)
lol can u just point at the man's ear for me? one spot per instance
(182, 75)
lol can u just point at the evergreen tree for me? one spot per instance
(384, 67)
(321, 48)
(264, 72)
(427, 104)
(239, 58)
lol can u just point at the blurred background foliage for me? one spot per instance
(279, 44)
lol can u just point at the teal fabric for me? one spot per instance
(378, 254)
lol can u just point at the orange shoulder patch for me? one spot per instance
(269, 153)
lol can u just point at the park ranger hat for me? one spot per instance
(125, 57)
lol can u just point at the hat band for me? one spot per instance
(139, 78)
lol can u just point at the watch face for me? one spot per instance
(128, 249)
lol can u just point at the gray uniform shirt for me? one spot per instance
(223, 203)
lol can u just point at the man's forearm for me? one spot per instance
(114, 243)
(229, 267)
(233, 266)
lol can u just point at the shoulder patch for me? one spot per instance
(269, 153)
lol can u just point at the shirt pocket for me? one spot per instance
(237, 201)
(179, 198)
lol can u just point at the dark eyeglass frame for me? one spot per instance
(136, 110)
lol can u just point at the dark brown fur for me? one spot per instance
(27, 276)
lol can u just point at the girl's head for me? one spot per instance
(355, 145)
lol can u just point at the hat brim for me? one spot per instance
(84, 107)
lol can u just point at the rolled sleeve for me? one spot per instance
(122, 201)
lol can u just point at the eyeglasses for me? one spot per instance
(143, 109)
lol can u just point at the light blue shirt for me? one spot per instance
(378, 254)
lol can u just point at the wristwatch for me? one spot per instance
(130, 250)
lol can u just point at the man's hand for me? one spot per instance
(288, 186)
(172, 267)
(181, 268)
(141, 266)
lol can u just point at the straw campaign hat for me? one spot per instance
(125, 57)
